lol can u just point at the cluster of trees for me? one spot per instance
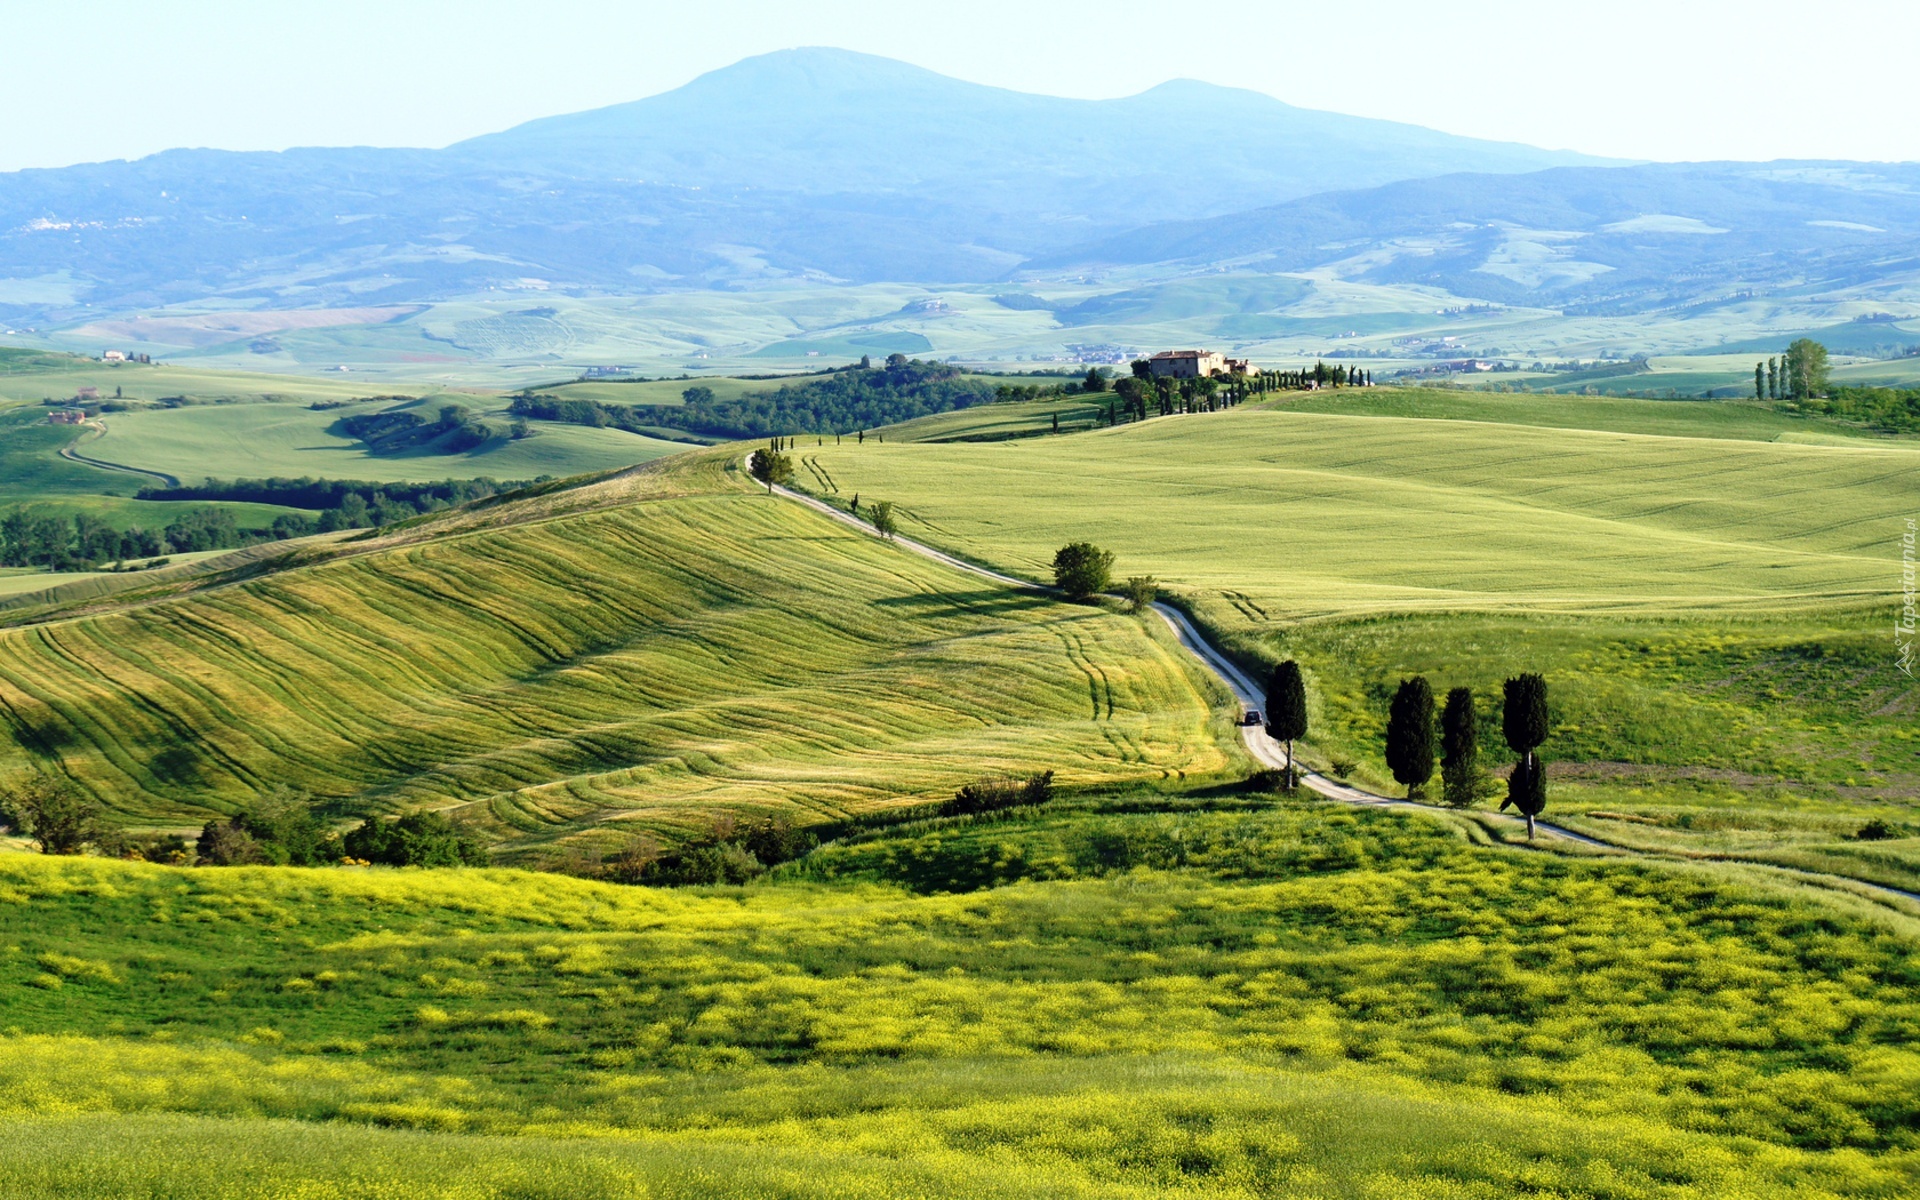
(280, 829)
(856, 398)
(1414, 740)
(1799, 374)
(1410, 744)
(33, 537)
(455, 430)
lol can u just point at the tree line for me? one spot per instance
(36, 537)
(1140, 394)
(308, 492)
(855, 398)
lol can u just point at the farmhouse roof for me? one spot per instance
(1181, 353)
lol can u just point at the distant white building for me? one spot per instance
(113, 356)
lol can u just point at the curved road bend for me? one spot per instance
(1263, 748)
(71, 455)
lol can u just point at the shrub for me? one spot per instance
(992, 793)
(1140, 591)
(421, 839)
(54, 812)
(228, 844)
(1875, 830)
(1082, 570)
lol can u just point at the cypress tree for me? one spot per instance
(1759, 381)
(1459, 749)
(1773, 379)
(1410, 734)
(1523, 718)
(1287, 709)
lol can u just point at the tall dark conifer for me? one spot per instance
(1410, 734)
(1287, 709)
(1459, 749)
(1523, 719)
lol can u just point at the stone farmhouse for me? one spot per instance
(1195, 364)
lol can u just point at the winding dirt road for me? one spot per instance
(99, 429)
(1265, 750)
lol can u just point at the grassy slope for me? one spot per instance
(254, 440)
(1219, 998)
(645, 651)
(1736, 419)
(1705, 608)
(1311, 515)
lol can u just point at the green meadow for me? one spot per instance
(258, 440)
(1127, 994)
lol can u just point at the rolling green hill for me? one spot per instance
(256, 440)
(1710, 610)
(640, 653)
(1311, 515)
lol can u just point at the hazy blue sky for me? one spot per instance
(1683, 79)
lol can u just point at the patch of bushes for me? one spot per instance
(730, 852)
(420, 839)
(993, 793)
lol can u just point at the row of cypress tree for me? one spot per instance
(1411, 737)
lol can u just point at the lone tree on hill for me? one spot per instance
(1287, 710)
(770, 468)
(54, 812)
(1523, 719)
(880, 513)
(1410, 734)
(1459, 750)
(1082, 570)
(1805, 369)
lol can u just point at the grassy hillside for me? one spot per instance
(1310, 515)
(1709, 611)
(638, 654)
(255, 440)
(1742, 420)
(1132, 995)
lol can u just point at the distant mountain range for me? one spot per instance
(807, 163)
(1583, 240)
